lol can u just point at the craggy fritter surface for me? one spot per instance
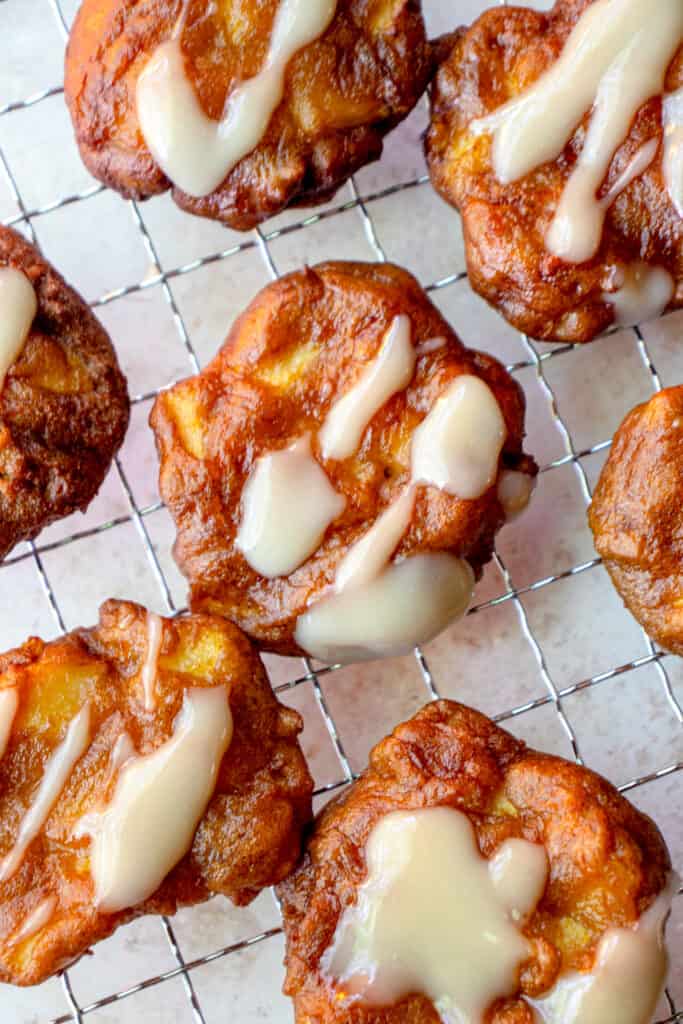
(249, 836)
(637, 516)
(63, 406)
(499, 57)
(303, 343)
(608, 861)
(343, 93)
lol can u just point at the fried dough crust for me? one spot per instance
(608, 862)
(503, 53)
(249, 836)
(63, 407)
(637, 516)
(343, 93)
(302, 343)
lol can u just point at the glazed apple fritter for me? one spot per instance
(637, 519)
(607, 861)
(505, 225)
(302, 343)
(249, 834)
(63, 405)
(343, 92)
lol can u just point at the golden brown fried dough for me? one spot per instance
(607, 861)
(249, 835)
(637, 516)
(301, 345)
(503, 53)
(63, 406)
(343, 93)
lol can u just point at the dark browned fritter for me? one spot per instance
(637, 516)
(503, 53)
(343, 93)
(608, 862)
(301, 344)
(63, 407)
(250, 834)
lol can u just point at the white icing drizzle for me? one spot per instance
(408, 604)
(194, 151)
(40, 916)
(287, 504)
(627, 979)
(391, 371)
(673, 148)
(148, 676)
(430, 345)
(18, 308)
(122, 751)
(514, 492)
(369, 556)
(291, 487)
(158, 803)
(433, 916)
(57, 771)
(644, 292)
(9, 702)
(457, 446)
(378, 609)
(615, 60)
(519, 871)
(639, 162)
(576, 230)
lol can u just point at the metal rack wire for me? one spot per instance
(535, 360)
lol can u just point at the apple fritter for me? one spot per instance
(592, 865)
(146, 765)
(554, 133)
(63, 399)
(279, 101)
(342, 423)
(637, 519)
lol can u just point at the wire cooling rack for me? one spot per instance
(571, 644)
